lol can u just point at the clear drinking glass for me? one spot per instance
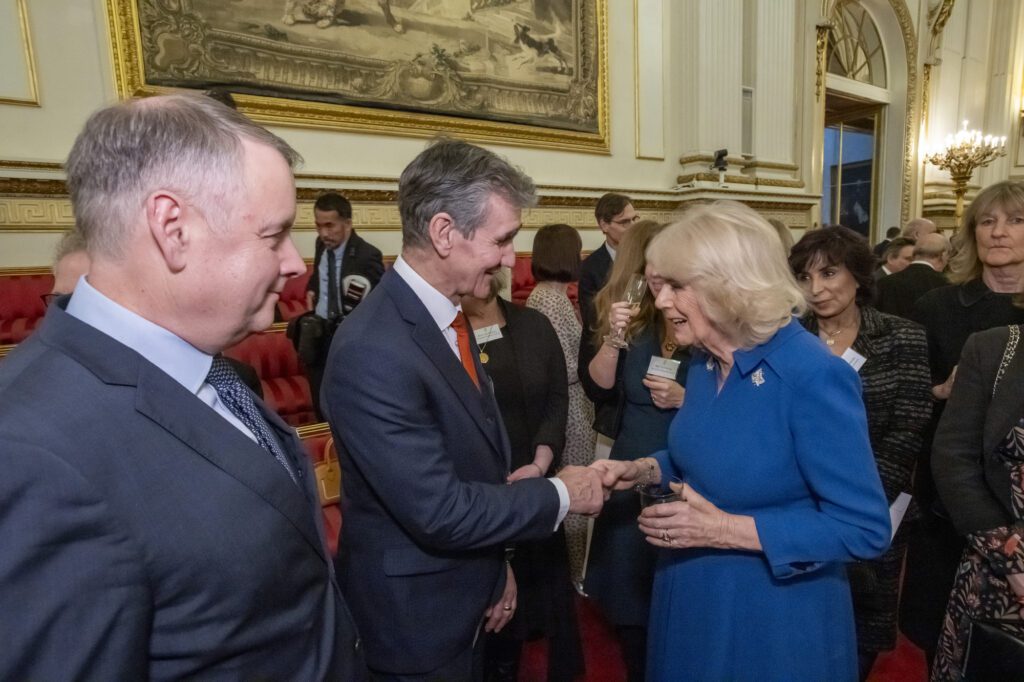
(636, 289)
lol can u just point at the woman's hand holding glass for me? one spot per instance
(696, 522)
(622, 311)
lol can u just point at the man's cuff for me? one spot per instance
(563, 500)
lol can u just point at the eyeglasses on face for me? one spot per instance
(623, 222)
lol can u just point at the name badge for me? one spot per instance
(854, 359)
(666, 368)
(485, 334)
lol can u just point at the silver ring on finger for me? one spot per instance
(664, 535)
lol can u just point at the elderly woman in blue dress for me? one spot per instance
(778, 484)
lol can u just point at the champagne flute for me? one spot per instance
(636, 289)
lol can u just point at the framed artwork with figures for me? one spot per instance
(527, 72)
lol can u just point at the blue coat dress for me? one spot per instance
(784, 441)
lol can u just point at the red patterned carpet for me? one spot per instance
(904, 664)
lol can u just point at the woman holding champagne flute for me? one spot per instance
(631, 335)
(780, 489)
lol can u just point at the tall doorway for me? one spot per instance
(849, 168)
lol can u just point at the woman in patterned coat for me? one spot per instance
(978, 464)
(556, 263)
(834, 267)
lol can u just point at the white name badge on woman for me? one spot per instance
(665, 368)
(485, 334)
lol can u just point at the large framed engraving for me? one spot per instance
(525, 72)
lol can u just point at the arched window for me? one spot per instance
(855, 49)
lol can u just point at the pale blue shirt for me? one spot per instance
(443, 312)
(321, 300)
(180, 360)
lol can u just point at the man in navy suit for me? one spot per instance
(157, 520)
(615, 214)
(424, 455)
(345, 269)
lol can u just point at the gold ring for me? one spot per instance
(664, 535)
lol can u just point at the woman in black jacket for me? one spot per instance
(521, 354)
(834, 267)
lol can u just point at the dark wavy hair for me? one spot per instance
(837, 246)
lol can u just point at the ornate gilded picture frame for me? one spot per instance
(523, 72)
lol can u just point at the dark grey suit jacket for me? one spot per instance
(424, 457)
(898, 292)
(973, 484)
(145, 537)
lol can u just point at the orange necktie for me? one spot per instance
(465, 350)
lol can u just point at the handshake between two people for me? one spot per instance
(590, 487)
(686, 519)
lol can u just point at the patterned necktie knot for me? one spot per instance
(237, 397)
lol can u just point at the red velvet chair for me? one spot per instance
(21, 305)
(293, 296)
(318, 442)
(285, 386)
(523, 284)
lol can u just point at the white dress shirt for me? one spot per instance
(181, 361)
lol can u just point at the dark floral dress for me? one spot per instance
(981, 590)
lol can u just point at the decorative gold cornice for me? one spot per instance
(821, 54)
(740, 180)
(7, 348)
(33, 187)
(31, 165)
(29, 270)
(357, 195)
(770, 165)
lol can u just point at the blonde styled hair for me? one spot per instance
(731, 258)
(965, 264)
(629, 260)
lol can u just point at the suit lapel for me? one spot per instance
(479, 403)
(224, 446)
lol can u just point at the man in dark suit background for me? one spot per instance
(880, 247)
(158, 522)
(897, 256)
(615, 214)
(898, 292)
(424, 455)
(345, 269)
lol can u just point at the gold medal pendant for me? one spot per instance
(484, 357)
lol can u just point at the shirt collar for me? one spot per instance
(340, 251)
(611, 250)
(886, 270)
(924, 262)
(183, 362)
(748, 359)
(438, 305)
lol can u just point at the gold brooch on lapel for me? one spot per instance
(757, 377)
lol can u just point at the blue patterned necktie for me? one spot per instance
(237, 397)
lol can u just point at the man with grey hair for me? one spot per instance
(898, 292)
(158, 521)
(424, 455)
(917, 228)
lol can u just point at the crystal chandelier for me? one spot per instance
(961, 154)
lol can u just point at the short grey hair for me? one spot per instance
(456, 177)
(912, 230)
(187, 143)
(71, 242)
(731, 258)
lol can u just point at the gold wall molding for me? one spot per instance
(911, 121)
(31, 165)
(19, 214)
(30, 60)
(740, 180)
(33, 186)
